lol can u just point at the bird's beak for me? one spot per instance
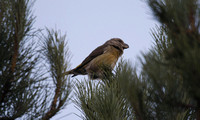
(125, 46)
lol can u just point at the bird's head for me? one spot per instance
(117, 43)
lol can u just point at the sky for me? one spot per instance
(90, 23)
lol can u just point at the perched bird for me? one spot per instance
(101, 59)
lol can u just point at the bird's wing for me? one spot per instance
(98, 51)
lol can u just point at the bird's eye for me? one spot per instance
(120, 41)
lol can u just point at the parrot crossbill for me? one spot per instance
(101, 59)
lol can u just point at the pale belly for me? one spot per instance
(106, 59)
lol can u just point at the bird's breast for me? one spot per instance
(108, 59)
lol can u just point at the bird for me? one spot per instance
(100, 60)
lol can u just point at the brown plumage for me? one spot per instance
(101, 59)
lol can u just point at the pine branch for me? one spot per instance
(57, 55)
(102, 99)
(53, 108)
(19, 84)
(14, 56)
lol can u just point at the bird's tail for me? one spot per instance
(71, 72)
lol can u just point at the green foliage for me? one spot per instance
(134, 90)
(101, 100)
(18, 60)
(25, 92)
(182, 29)
(56, 57)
